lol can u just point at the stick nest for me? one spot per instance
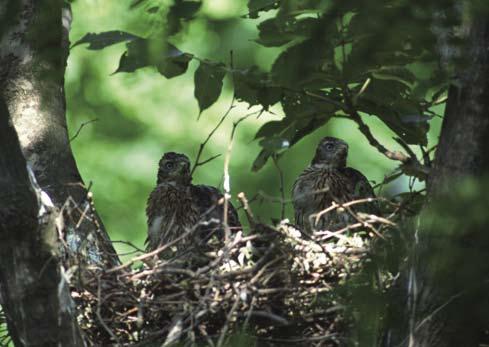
(274, 286)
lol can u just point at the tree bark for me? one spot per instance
(444, 307)
(35, 297)
(33, 51)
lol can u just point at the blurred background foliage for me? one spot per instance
(141, 115)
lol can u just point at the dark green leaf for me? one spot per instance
(272, 128)
(136, 3)
(304, 64)
(208, 83)
(256, 6)
(253, 86)
(261, 159)
(173, 67)
(168, 59)
(399, 118)
(394, 73)
(181, 10)
(275, 143)
(102, 40)
(279, 31)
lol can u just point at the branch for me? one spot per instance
(81, 127)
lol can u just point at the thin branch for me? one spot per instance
(197, 162)
(282, 191)
(81, 127)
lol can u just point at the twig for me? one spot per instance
(99, 315)
(81, 127)
(282, 191)
(224, 330)
(197, 161)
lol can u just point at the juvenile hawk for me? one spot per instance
(327, 179)
(176, 207)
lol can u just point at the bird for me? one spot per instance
(176, 208)
(326, 180)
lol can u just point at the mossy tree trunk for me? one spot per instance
(447, 277)
(35, 295)
(33, 53)
(33, 133)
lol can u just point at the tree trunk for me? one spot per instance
(33, 51)
(36, 298)
(448, 273)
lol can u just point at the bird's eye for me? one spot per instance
(169, 165)
(329, 146)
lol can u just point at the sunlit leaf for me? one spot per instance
(208, 84)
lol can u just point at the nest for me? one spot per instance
(273, 287)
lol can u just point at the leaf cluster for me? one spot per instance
(344, 58)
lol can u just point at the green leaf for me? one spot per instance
(208, 83)
(394, 73)
(279, 31)
(275, 143)
(168, 59)
(274, 127)
(136, 3)
(101, 40)
(261, 159)
(179, 11)
(254, 87)
(256, 6)
(174, 66)
(304, 64)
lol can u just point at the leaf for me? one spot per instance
(275, 143)
(174, 66)
(101, 40)
(271, 128)
(208, 84)
(303, 64)
(254, 87)
(261, 159)
(168, 59)
(394, 73)
(179, 11)
(136, 3)
(256, 6)
(277, 31)
(397, 118)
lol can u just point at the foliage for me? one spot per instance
(338, 59)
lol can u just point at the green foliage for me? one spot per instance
(208, 84)
(339, 60)
(141, 115)
(105, 39)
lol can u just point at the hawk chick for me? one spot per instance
(176, 206)
(328, 180)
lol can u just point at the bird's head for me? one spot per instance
(332, 152)
(174, 167)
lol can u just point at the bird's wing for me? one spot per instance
(360, 188)
(207, 198)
